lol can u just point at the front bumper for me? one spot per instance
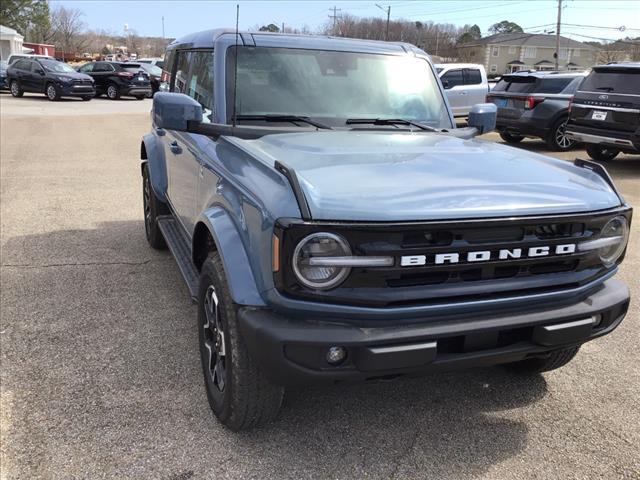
(77, 90)
(292, 351)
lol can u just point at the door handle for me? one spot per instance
(175, 148)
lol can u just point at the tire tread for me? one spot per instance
(555, 360)
(254, 400)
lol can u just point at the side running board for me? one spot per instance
(179, 246)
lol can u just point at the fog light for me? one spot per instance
(336, 355)
(597, 320)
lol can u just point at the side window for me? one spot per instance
(200, 85)
(452, 78)
(167, 67)
(87, 67)
(22, 64)
(35, 67)
(103, 67)
(182, 72)
(573, 86)
(552, 85)
(472, 76)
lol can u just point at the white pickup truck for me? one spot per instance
(465, 85)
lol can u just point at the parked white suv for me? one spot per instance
(465, 85)
(16, 56)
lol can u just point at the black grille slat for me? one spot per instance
(397, 285)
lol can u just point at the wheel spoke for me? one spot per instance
(219, 374)
(210, 353)
(214, 340)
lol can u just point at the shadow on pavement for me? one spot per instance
(101, 365)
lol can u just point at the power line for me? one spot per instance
(627, 42)
(441, 11)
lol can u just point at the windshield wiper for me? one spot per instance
(285, 118)
(388, 121)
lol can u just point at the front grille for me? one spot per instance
(402, 284)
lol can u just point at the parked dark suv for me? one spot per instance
(605, 113)
(54, 79)
(535, 104)
(117, 79)
(154, 72)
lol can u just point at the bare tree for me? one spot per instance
(433, 38)
(69, 28)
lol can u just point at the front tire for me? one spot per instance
(557, 139)
(601, 153)
(238, 392)
(15, 88)
(152, 209)
(113, 92)
(52, 92)
(511, 138)
(555, 359)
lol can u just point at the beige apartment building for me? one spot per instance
(510, 52)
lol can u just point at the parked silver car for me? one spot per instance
(465, 85)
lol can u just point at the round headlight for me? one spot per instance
(320, 277)
(617, 230)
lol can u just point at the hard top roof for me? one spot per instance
(547, 73)
(618, 66)
(207, 38)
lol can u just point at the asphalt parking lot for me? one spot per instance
(101, 377)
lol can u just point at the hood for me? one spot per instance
(380, 176)
(71, 75)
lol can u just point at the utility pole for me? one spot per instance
(334, 17)
(163, 27)
(282, 27)
(436, 54)
(388, 10)
(557, 54)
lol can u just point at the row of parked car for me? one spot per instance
(600, 108)
(41, 74)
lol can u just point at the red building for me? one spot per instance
(41, 48)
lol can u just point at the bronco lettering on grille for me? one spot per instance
(488, 255)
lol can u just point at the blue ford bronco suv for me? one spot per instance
(334, 225)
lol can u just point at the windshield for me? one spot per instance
(53, 66)
(339, 85)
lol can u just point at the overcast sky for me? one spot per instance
(589, 18)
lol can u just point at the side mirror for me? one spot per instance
(41, 72)
(445, 84)
(483, 117)
(174, 111)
